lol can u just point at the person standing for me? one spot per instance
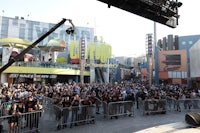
(14, 119)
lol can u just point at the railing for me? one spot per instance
(44, 65)
(69, 116)
(47, 102)
(21, 123)
(84, 114)
(183, 104)
(153, 106)
(99, 104)
(115, 109)
(75, 115)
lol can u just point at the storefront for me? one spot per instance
(31, 78)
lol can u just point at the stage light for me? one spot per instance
(193, 119)
(161, 11)
(175, 4)
(70, 31)
(179, 4)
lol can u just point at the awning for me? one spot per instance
(54, 45)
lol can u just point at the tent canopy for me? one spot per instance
(15, 43)
(54, 45)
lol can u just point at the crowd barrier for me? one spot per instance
(83, 114)
(154, 106)
(183, 104)
(75, 115)
(98, 104)
(115, 109)
(47, 102)
(20, 123)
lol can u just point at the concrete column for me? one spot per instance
(82, 69)
(4, 78)
(6, 54)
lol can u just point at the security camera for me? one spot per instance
(70, 31)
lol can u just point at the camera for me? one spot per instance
(70, 31)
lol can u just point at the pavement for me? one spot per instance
(124, 124)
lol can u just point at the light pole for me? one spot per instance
(82, 59)
(150, 69)
(156, 56)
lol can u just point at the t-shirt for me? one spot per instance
(30, 106)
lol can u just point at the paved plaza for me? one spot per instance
(123, 124)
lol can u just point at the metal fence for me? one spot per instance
(154, 106)
(21, 123)
(75, 115)
(183, 104)
(115, 109)
(84, 114)
(46, 102)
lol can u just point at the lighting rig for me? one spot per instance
(161, 11)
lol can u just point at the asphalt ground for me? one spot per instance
(124, 124)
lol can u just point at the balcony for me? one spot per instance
(44, 68)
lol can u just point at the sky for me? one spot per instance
(124, 31)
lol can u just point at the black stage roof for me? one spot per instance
(161, 11)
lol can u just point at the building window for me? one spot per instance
(190, 42)
(183, 43)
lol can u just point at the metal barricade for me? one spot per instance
(183, 104)
(25, 122)
(47, 102)
(154, 106)
(98, 105)
(75, 115)
(170, 104)
(105, 109)
(140, 105)
(194, 104)
(115, 109)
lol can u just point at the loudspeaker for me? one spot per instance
(193, 119)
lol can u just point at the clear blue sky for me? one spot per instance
(124, 31)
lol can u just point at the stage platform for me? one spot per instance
(178, 127)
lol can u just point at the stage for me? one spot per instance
(178, 127)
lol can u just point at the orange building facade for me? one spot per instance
(173, 66)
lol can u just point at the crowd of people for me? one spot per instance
(88, 96)
(19, 99)
(107, 94)
(26, 98)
